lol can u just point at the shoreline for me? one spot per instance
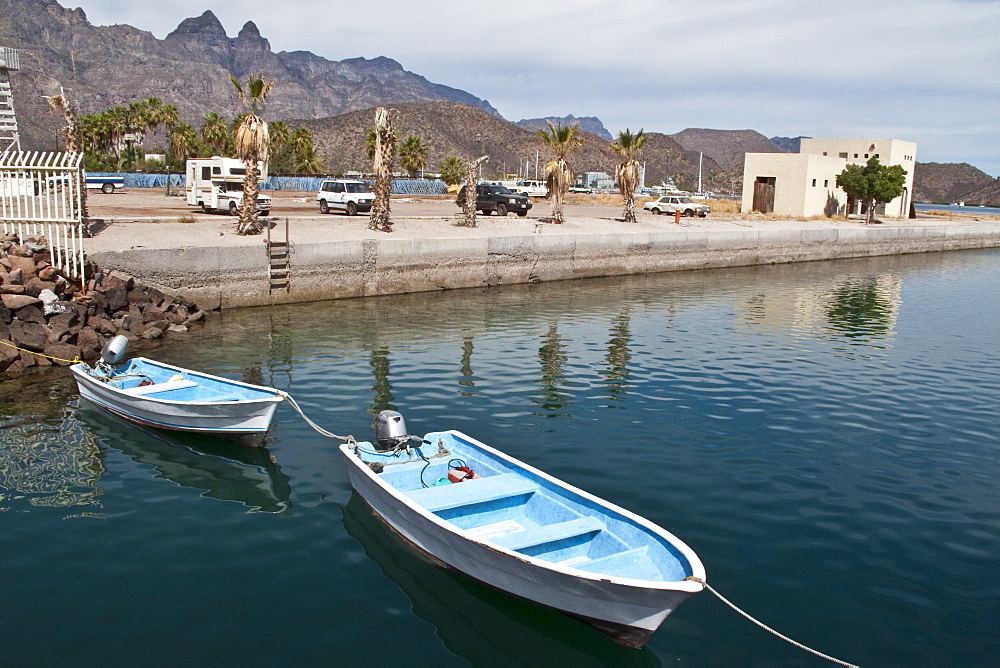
(335, 256)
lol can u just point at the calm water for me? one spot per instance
(968, 209)
(825, 436)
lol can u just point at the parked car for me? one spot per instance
(347, 195)
(531, 188)
(580, 189)
(672, 203)
(490, 198)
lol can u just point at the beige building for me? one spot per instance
(805, 183)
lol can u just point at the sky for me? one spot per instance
(926, 71)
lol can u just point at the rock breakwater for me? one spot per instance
(48, 319)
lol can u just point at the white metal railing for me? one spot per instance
(9, 59)
(41, 196)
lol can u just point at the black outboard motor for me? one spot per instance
(390, 431)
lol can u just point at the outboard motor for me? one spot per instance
(390, 431)
(113, 351)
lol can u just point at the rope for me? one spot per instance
(324, 432)
(75, 360)
(768, 628)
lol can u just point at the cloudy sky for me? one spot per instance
(920, 70)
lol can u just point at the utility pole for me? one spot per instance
(700, 154)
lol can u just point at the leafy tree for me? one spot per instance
(413, 155)
(628, 146)
(370, 140)
(872, 183)
(308, 161)
(562, 140)
(279, 153)
(452, 170)
(183, 142)
(251, 141)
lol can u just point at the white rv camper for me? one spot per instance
(216, 184)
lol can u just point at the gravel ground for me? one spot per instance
(149, 219)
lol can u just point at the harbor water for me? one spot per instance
(823, 435)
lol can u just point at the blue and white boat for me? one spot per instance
(522, 531)
(164, 396)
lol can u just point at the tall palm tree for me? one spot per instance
(628, 146)
(183, 141)
(308, 161)
(562, 140)
(215, 132)
(370, 139)
(251, 140)
(385, 146)
(413, 155)
(60, 104)
(452, 171)
(278, 151)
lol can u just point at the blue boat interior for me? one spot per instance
(514, 508)
(143, 378)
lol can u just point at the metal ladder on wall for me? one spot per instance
(279, 262)
(10, 140)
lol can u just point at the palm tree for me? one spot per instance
(183, 141)
(370, 139)
(413, 155)
(562, 140)
(215, 132)
(308, 161)
(385, 145)
(251, 140)
(452, 171)
(60, 104)
(627, 172)
(278, 152)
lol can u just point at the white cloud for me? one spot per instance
(921, 70)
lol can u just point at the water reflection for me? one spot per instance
(865, 309)
(51, 464)
(467, 374)
(224, 470)
(617, 371)
(383, 388)
(478, 623)
(552, 358)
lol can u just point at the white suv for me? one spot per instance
(348, 195)
(672, 203)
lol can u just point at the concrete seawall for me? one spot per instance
(233, 276)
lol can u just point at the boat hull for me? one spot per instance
(244, 421)
(627, 610)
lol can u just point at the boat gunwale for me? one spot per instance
(82, 370)
(688, 586)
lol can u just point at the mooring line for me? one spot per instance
(319, 429)
(768, 628)
(75, 360)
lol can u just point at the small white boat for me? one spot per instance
(522, 531)
(161, 395)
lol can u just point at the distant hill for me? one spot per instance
(449, 128)
(949, 182)
(726, 147)
(103, 66)
(988, 195)
(789, 144)
(590, 124)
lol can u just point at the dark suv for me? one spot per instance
(490, 198)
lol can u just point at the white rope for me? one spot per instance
(324, 432)
(768, 628)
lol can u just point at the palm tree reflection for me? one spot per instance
(552, 357)
(383, 388)
(618, 358)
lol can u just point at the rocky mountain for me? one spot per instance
(726, 147)
(950, 182)
(103, 66)
(988, 195)
(452, 129)
(590, 124)
(788, 144)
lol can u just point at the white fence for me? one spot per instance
(41, 195)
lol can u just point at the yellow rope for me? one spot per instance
(75, 360)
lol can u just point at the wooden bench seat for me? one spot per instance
(471, 492)
(160, 387)
(550, 533)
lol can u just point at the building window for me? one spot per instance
(876, 155)
(824, 152)
(826, 183)
(814, 183)
(844, 156)
(855, 155)
(866, 155)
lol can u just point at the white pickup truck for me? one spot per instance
(673, 203)
(530, 188)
